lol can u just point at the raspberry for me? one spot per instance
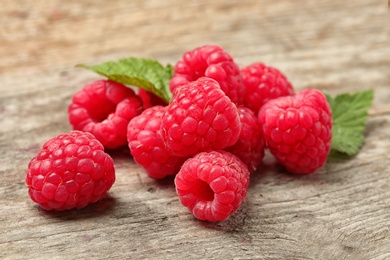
(70, 171)
(104, 108)
(298, 130)
(150, 99)
(200, 117)
(213, 62)
(263, 83)
(250, 145)
(147, 146)
(212, 185)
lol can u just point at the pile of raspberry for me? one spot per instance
(211, 136)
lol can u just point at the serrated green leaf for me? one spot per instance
(349, 112)
(144, 73)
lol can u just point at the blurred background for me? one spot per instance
(295, 36)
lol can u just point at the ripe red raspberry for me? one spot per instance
(147, 146)
(70, 171)
(104, 108)
(298, 130)
(212, 185)
(263, 83)
(200, 117)
(150, 99)
(213, 62)
(250, 145)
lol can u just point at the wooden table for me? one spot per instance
(340, 212)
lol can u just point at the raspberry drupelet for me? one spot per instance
(213, 62)
(104, 108)
(298, 130)
(147, 146)
(200, 117)
(212, 185)
(70, 171)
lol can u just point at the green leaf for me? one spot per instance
(144, 73)
(349, 112)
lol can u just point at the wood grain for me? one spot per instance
(340, 212)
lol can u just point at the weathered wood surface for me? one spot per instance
(340, 212)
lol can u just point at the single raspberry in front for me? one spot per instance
(104, 108)
(212, 185)
(250, 145)
(70, 171)
(263, 83)
(147, 146)
(298, 130)
(213, 62)
(200, 117)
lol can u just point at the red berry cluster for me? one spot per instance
(211, 136)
